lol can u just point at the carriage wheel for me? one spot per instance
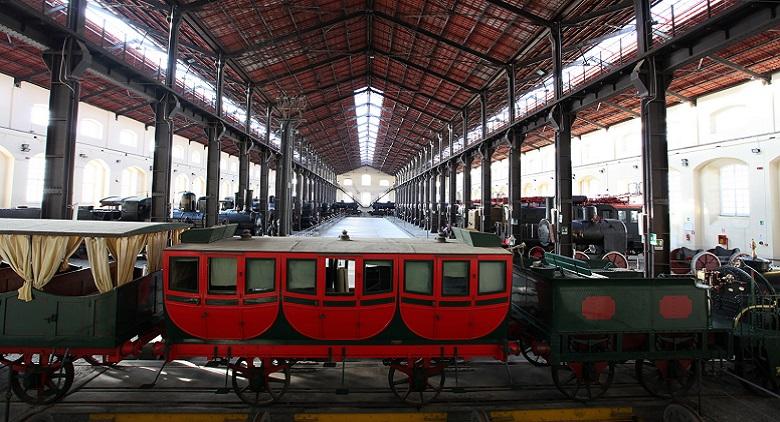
(582, 256)
(259, 382)
(736, 260)
(583, 381)
(616, 258)
(41, 383)
(678, 265)
(527, 350)
(666, 378)
(418, 382)
(536, 253)
(704, 260)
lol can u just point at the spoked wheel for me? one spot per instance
(666, 378)
(737, 259)
(704, 260)
(259, 382)
(527, 350)
(45, 382)
(616, 258)
(536, 253)
(582, 256)
(583, 381)
(416, 383)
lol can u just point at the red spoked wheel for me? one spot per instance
(736, 260)
(43, 382)
(704, 261)
(259, 382)
(666, 378)
(536, 253)
(582, 256)
(616, 258)
(416, 382)
(679, 265)
(583, 381)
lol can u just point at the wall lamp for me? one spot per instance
(25, 147)
(684, 162)
(755, 150)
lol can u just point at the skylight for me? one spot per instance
(368, 110)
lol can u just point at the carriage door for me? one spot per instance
(454, 287)
(221, 309)
(301, 305)
(260, 295)
(339, 296)
(417, 298)
(376, 301)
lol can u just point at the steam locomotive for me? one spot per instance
(192, 210)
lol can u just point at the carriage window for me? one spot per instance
(301, 275)
(339, 276)
(634, 216)
(418, 277)
(378, 277)
(222, 276)
(492, 277)
(260, 274)
(455, 278)
(183, 274)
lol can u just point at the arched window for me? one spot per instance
(544, 189)
(234, 165)
(365, 180)
(128, 138)
(133, 182)
(528, 190)
(728, 120)
(225, 190)
(39, 114)
(177, 152)
(199, 186)
(365, 198)
(6, 177)
(347, 182)
(36, 167)
(384, 182)
(590, 186)
(195, 157)
(94, 185)
(734, 191)
(91, 128)
(181, 183)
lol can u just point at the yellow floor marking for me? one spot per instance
(168, 417)
(371, 417)
(590, 414)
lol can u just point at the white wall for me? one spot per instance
(361, 192)
(17, 127)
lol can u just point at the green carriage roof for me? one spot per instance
(85, 228)
(355, 246)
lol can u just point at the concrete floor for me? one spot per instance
(374, 227)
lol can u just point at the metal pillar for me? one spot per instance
(244, 146)
(442, 197)
(467, 160)
(299, 198)
(433, 218)
(66, 66)
(515, 191)
(487, 188)
(265, 166)
(651, 84)
(164, 110)
(284, 174)
(562, 120)
(214, 132)
(305, 191)
(483, 114)
(453, 209)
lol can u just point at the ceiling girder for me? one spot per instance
(531, 17)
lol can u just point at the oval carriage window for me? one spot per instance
(301, 276)
(377, 277)
(492, 277)
(418, 277)
(260, 275)
(183, 275)
(455, 278)
(222, 276)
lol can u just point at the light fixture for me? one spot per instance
(540, 72)
(684, 162)
(755, 150)
(25, 147)
(82, 155)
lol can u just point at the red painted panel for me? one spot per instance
(675, 307)
(257, 319)
(419, 319)
(454, 323)
(598, 308)
(340, 323)
(374, 319)
(223, 322)
(188, 317)
(488, 318)
(306, 319)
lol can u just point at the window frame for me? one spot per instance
(479, 273)
(274, 286)
(469, 270)
(208, 290)
(734, 190)
(197, 273)
(287, 289)
(432, 263)
(364, 291)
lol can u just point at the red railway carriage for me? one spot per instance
(271, 301)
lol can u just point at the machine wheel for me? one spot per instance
(616, 258)
(527, 350)
(536, 253)
(666, 378)
(41, 383)
(416, 383)
(704, 260)
(259, 382)
(582, 256)
(583, 381)
(735, 260)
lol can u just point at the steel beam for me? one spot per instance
(516, 139)
(284, 176)
(265, 167)
(528, 16)
(467, 161)
(486, 150)
(214, 133)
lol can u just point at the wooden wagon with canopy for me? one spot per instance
(52, 312)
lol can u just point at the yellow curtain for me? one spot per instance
(176, 236)
(97, 253)
(70, 249)
(47, 254)
(15, 250)
(125, 251)
(155, 244)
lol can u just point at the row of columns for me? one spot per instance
(415, 179)
(67, 67)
